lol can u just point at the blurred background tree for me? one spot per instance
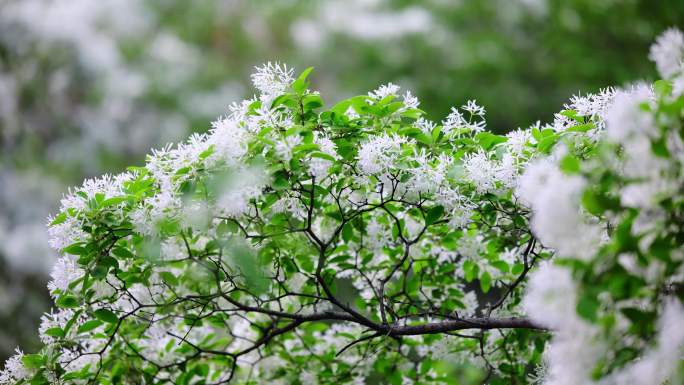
(89, 86)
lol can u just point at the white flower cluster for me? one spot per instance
(650, 174)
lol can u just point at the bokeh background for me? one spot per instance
(89, 86)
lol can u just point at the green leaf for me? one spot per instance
(570, 164)
(312, 101)
(662, 88)
(597, 202)
(33, 361)
(59, 219)
(471, 270)
(75, 249)
(588, 306)
(322, 155)
(169, 278)
(501, 265)
(433, 215)
(106, 316)
(517, 269)
(659, 148)
(113, 201)
(207, 153)
(305, 147)
(123, 252)
(487, 140)
(89, 325)
(67, 301)
(183, 170)
(300, 85)
(280, 182)
(55, 332)
(536, 134)
(485, 282)
(582, 127)
(547, 143)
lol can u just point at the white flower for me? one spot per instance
(425, 125)
(592, 105)
(283, 147)
(471, 246)
(272, 79)
(410, 101)
(229, 140)
(471, 303)
(473, 108)
(481, 171)
(15, 370)
(453, 120)
(557, 219)
(65, 233)
(551, 296)
(668, 52)
(510, 256)
(238, 190)
(383, 91)
(290, 205)
(625, 119)
(429, 175)
(351, 113)
(518, 140)
(318, 166)
(659, 364)
(65, 271)
(380, 153)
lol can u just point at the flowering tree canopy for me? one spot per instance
(366, 244)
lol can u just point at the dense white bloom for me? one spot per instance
(14, 369)
(65, 271)
(429, 175)
(380, 152)
(551, 300)
(482, 171)
(272, 79)
(625, 119)
(658, 364)
(65, 234)
(318, 166)
(593, 105)
(378, 236)
(291, 205)
(472, 246)
(518, 140)
(668, 52)
(284, 147)
(557, 219)
(238, 189)
(229, 140)
(551, 296)
(161, 206)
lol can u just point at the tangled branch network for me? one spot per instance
(363, 243)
